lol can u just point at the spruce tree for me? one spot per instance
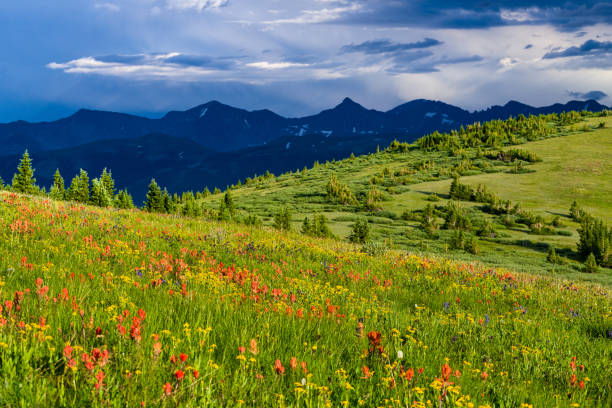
(82, 192)
(229, 204)
(306, 228)
(58, 190)
(99, 195)
(23, 180)
(590, 265)
(361, 232)
(123, 200)
(167, 200)
(1, 184)
(154, 202)
(109, 184)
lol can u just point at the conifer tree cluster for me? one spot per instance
(100, 192)
(339, 192)
(282, 219)
(361, 232)
(317, 227)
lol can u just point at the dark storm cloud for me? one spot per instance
(416, 65)
(384, 46)
(589, 48)
(473, 14)
(594, 95)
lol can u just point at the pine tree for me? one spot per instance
(82, 194)
(590, 265)
(229, 204)
(58, 190)
(123, 200)
(1, 184)
(71, 193)
(361, 232)
(306, 227)
(282, 219)
(23, 180)
(169, 206)
(99, 195)
(154, 202)
(320, 227)
(109, 184)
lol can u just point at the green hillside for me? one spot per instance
(574, 162)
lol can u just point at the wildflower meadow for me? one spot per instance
(123, 308)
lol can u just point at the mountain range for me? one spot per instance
(215, 144)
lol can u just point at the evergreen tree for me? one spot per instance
(71, 193)
(590, 265)
(109, 184)
(320, 227)
(99, 194)
(58, 191)
(306, 227)
(595, 239)
(123, 200)
(282, 219)
(79, 188)
(575, 211)
(361, 232)
(23, 180)
(169, 206)
(552, 256)
(429, 221)
(154, 201)
(1, 184)
(229, 204)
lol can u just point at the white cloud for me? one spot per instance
(275, 65)
(107, 7)
(196, 4)
(317, 16)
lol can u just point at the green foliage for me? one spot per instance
(154, 201)
(429, 220)
(360, 231)
(23, 180)
(99, 195)
(489, 134)
(338, 192)
(590, 265)
(512, 155)
(251, 219)
(373, 198)
(58, 190)
(317, 227)
(282, 219)
(460, 191)
(595, 239)
(79, 188)
(123, 200)
(455, 218)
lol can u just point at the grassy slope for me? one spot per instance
(66, 270)
(574, 167)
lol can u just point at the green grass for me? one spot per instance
(575, 166)
(176, 305)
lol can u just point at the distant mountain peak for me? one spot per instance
(348, 103)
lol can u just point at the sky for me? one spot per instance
(297, 57)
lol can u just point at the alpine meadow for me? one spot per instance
(158, 251)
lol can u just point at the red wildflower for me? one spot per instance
(278, 366)
(581, 384)
(168, 388)
(484, 375)
(293, 363)
(179, 375)
(173, 359)
(183, 357)
(241, 349)
(446, 372)
(196, 374)
(366, 372)
(253, 346)
(457, 373)
(303, 365)
(408, 375)
(67, 351)
(99, 378)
